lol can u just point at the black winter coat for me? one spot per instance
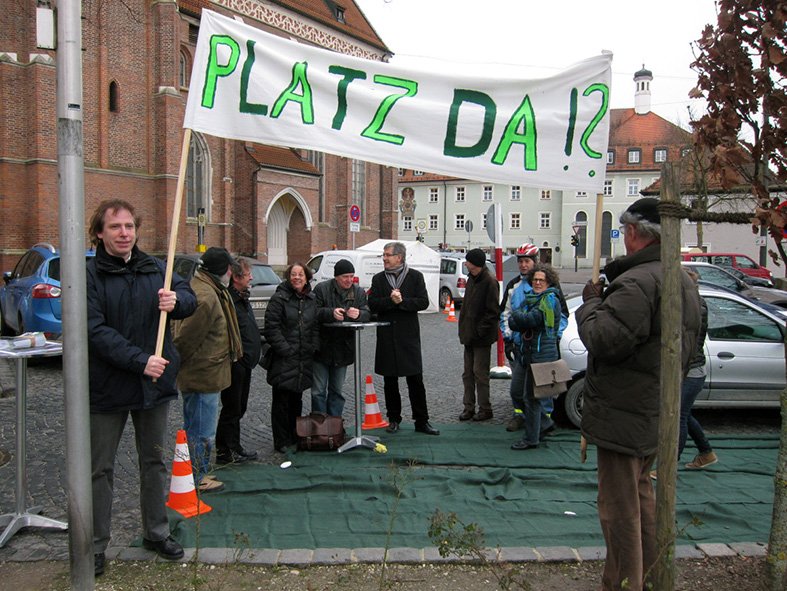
(398, 350)
(337, 345)
(247, 326)
(292, 330)
(122, 326)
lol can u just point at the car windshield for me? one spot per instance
(264, 275)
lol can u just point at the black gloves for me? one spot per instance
(509, 346)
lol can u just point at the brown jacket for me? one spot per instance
(203, 341)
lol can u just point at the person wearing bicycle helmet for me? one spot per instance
(527, 255)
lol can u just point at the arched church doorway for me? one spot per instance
(289, 225)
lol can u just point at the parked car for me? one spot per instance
(730, 259)
(453, 277)
(718, 276)
(263, 283)
(30, 295)
(744, 353)
(748, 279)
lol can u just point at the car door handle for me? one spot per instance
(725, 355)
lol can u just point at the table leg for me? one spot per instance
(360, 440)
(20, 517)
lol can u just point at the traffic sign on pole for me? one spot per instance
(355, 213)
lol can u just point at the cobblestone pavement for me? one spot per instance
(46, 441)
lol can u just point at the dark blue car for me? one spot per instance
(30, 294)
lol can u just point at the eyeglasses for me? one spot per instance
(539, 280)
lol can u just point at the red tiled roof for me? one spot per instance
(355, 24)
(282, 158)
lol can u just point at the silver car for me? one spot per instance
(744, 353)
(722, 277)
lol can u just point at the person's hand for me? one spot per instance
(509, 348)
(593, 289)
(353, 313)
(167, 300)
(338, 314)
(583, 449)
(396, 296)
(155, 366)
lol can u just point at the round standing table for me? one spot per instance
(360, 440)
(22, 517)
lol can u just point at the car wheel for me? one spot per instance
(445, 297)
(572, 402)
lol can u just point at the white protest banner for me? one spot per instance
(548, 132)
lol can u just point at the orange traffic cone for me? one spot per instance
(447, 307)
(451, 313)
(372, 418)
(182, 494)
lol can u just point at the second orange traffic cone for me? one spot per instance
(372, 418)
(182, 494)
(451, 313)
(447, 307)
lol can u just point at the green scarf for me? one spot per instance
(543, 302)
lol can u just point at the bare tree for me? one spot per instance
(742, 67)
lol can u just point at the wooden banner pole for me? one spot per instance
(173, 234)
(598, 237)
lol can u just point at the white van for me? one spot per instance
(368, 261)
(366, 264)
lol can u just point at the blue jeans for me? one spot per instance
(327, 382)
(689, 426)
(200, 417)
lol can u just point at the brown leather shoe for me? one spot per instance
(466, 415)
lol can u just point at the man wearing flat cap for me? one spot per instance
(209, 342)
(621, 328)
(477, 332)
(338, 300)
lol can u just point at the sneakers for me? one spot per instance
(210, 484)
(515, 424)
(702, 461)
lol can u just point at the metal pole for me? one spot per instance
(71, 191)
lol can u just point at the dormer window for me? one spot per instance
(635, 156)
(660, 155)
(338, 11)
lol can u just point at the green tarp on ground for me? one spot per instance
(542, 497)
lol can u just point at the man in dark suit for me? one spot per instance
(396, 296)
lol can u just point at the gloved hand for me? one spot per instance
(593, 290)
(509, 347)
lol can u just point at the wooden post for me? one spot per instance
(663, 577)
(173, 234)
(597, 241)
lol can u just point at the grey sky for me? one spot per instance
(544, 37)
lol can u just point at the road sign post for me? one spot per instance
(355, 221)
